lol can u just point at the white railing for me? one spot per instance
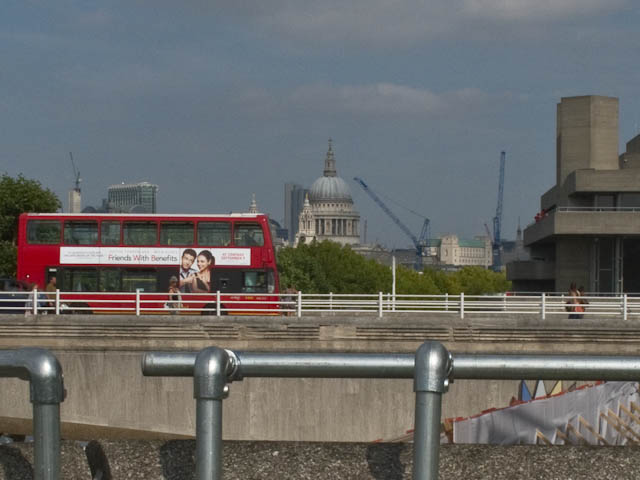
(301, 304)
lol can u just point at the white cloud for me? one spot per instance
(532, 10)
(400, 23)
(382, 99)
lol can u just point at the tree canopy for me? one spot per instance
(324, 267)
(19, 195)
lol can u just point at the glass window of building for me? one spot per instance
(629, 200)
(214, 234)
(78, 232)
(43, 232)
(176, 233)
(140, 233)
(605, 200)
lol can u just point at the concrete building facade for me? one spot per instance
(588, 227)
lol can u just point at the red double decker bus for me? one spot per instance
(223, 261)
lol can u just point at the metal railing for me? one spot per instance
(598, 209)
(44, 373)
(432, 369)
(380, 304)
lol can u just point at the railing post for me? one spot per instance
(504, 302)
(543, 305)
(433, 366)
(217, 303)
(380, 304)
(330, 301)
(209, 389)
(461, 305)
(624, 306)
(299, 306)
(44, 373)
(446, 302)
(34, 292)
(137, 302)
(57, 301)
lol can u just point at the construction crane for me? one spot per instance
(420, 243)
(496, 241)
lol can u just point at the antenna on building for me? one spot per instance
(76, 173)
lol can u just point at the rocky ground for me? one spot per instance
(174, 460)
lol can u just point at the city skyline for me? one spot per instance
(215, 102)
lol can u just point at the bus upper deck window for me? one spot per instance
(214, 234)
(176, 233)
(80, 232)
(140, 233)
(248, 235)
(43, 232)
(110, 232)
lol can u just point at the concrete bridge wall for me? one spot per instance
(109, 397)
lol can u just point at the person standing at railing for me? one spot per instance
(34, 296)
(574, 302)
(288, 300)
(580, 309)
(175, 299)
(51, 291)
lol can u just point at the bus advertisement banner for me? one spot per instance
(147, 256)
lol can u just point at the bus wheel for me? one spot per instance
(210, 309)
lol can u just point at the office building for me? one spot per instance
(293, 202)
(132, 198)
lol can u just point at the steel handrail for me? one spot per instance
(432, 369)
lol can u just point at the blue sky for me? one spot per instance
(214, 101)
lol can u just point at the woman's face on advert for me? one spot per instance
(203, 263)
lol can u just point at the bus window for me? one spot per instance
(43, 232)
(110, 233)
(176, 233)
(140, 233)
(248, 235)
(254, 282)
(143, 279)
(214, 234)
(79, 280)
(80, 232)
(109, 280)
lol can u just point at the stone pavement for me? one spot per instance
(174, 460)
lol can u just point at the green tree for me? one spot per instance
(324, 267)
(480, 281)
(19, 195)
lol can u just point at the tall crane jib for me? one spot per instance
(496, 245)
(421, 243)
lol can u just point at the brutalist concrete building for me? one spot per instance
(588, 227)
